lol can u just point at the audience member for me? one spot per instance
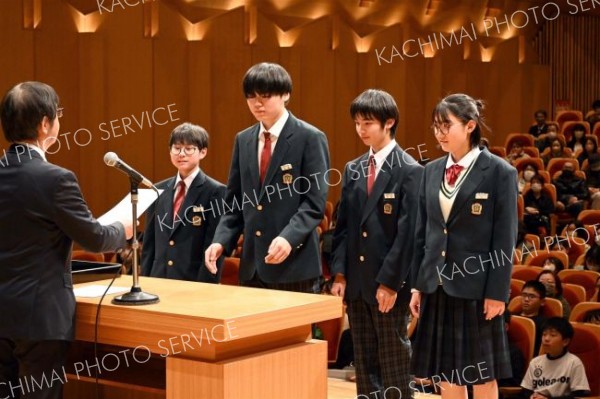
(538, 207)
(558, 373)
(533, 296)
(554, 290)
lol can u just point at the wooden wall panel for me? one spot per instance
(116, 72)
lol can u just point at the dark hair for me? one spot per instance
(558, 265)
(559, 324)
(464, 108)
(540, 111)
(532, 164)
(557, 282)
(596, 104)
(562, 146)
(378, 105)
(267, 78)
(589, 138)
(590, 315)
(24, 107)
(537, 287)
(537, 177)
(188, 133)
(484, 142)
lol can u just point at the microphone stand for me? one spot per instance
(136, 296)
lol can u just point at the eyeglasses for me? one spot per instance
(59, 112)
(442, 128)
(186, 150)
(525, 295)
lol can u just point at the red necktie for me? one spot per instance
(452, 173)
(178, 198)
(265, 157)
(371, 177)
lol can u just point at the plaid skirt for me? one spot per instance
(454, 343)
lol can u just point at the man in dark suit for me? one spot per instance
(373, 248)
(174, 242)
(41, 212)
(276, 191)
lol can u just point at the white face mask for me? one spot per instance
(597, 240)
(528, 174)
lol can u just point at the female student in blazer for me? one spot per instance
(466, 231)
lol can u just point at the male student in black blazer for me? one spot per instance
(276, 191)
(373, 248)
(41, 212)
(174, 243)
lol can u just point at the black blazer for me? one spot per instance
(471, 253)
(176, 250)
(41, 212)
(290, 204)
(373, 239)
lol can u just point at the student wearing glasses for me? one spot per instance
(466, 220)
(182, 222)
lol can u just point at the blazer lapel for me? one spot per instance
(437, 177)
(473, 180)
(378, 186)
(251, 149)
(164, 206)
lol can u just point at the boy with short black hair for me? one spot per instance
(182, 225)
(373, 248)
(558, 374)
(276, 190)
(533, 295)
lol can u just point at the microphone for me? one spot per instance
(112, 159)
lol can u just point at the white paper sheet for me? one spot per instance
(96, 291)
(122, 211)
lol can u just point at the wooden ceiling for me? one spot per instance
(369, 16)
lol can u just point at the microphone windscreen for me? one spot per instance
(111, 159)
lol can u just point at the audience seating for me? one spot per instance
(579, 311)
(585, 278)
(568, 115)
(573, 293)
(525, 273)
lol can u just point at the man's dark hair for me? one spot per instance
(561, 325)
(537, 287)
(378, 105)
(188, 133)
(267, 79)
(24, 107)
(541, 111)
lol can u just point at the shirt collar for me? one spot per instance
(382, 154)
(466, 160)
(35, 148)
(277, 127)
(188, 180)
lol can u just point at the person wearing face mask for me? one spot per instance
(592, 256)
(557, 150)
(571, 190)
(590, 147)
(538, 207)
(529, 171)
(545, 139)
(554, 289)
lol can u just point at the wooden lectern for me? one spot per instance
(202, 341)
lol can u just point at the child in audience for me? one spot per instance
(558, 373)
(533, 296)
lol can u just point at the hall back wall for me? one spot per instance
(106, 69)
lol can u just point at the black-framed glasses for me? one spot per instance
(186, 150)
(525, 295)
(59, 112)
(442, 128)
